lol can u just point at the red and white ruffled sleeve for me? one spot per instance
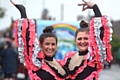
(28, 44)
(100, 37)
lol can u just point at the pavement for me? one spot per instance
(111, 74)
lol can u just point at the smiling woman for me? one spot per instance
(48, 41)
(38, 58)
(93, 43)
(81, 36)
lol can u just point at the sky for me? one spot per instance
(71, 10)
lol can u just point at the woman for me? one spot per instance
(93, 45)
(40, 62)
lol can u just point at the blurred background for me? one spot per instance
(65, 16)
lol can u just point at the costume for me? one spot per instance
(87, 65)
(40, 67)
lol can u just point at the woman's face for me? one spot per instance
(82, 41)
(49, 46)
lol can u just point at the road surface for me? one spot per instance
(111, 74)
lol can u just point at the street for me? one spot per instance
(111, 74)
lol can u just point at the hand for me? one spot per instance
(12, 2)
(86, 5)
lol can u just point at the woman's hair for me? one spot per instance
(47, 32)
(83, 28)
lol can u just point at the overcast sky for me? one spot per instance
(71, 10)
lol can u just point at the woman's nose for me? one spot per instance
(82, 41)
(50, 46)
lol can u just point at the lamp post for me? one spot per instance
(43, 4)
(62, 12)
(89, 15)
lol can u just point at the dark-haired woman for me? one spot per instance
(40, 62)
(93, 45)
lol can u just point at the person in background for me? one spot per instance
(9, 61)
(2, 43)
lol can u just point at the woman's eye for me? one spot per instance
(47, 44)
(53, 44)
(85, 38)
(79, 38)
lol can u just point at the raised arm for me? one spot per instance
(26, 40)
(89, 5)
(21, 8)
(96, 11)
(100, 32)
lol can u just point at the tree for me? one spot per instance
(115, 43)
(2, 12)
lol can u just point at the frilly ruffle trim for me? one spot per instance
(103, 49)
(98, 55)
(27, 42)
(33, 76)
(81, 68)
(28, 48)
